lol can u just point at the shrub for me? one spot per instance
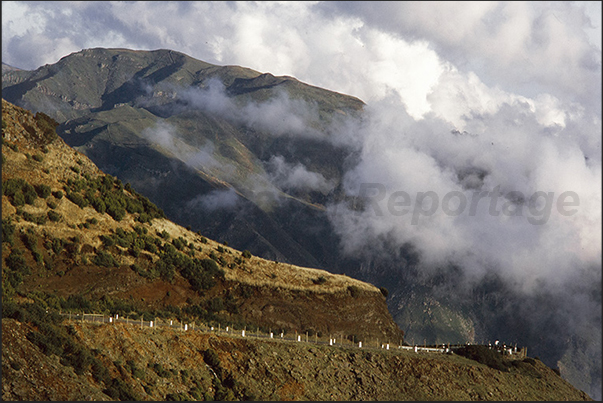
(104, 259)
(354, 291)
(77, 199)
(159, 370)
(29, 193)
(43, 190)
(58, 194)
(57, 245)
(37, 219)
(484, 355)
(211, 358)
(15, 269)
(38, 157)
(54, 216)
(30, 241)
(18, 199)
(48, 126)
(99, 205)
(8, 230)
(179, 243)
(215, 305)
(211, 266)
(319, 280)
(11, 186)
(119, 390)
(19, 191)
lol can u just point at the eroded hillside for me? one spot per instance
(163, 364)
(82, 233)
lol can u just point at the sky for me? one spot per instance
(461, 98)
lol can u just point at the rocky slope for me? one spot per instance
(162, 364)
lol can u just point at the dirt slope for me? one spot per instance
(163, 364)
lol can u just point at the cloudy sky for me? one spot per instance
(462, 96)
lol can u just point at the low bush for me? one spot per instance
(354, 291)
(484, 355)
(104, 259)
(43, 191)
(320, 280)
(8, 230)
(54, 216)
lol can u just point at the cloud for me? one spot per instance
(278, 116)
(525, 47)
(218, 199)
(167, 137)
(506, 144)
(296, 176)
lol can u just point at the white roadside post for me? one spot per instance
(359, 344)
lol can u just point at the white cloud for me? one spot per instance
(296, 176)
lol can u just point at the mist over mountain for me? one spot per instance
(484, 230)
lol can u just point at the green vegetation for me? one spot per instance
(354, 291)
(19, 192)
(13, 272)
(43, 191)
(36, 219)
(54, 216)
(104, 259)
(106, 195)
(8, 230)
(318, 281)
(484, 355)
(47, 125)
